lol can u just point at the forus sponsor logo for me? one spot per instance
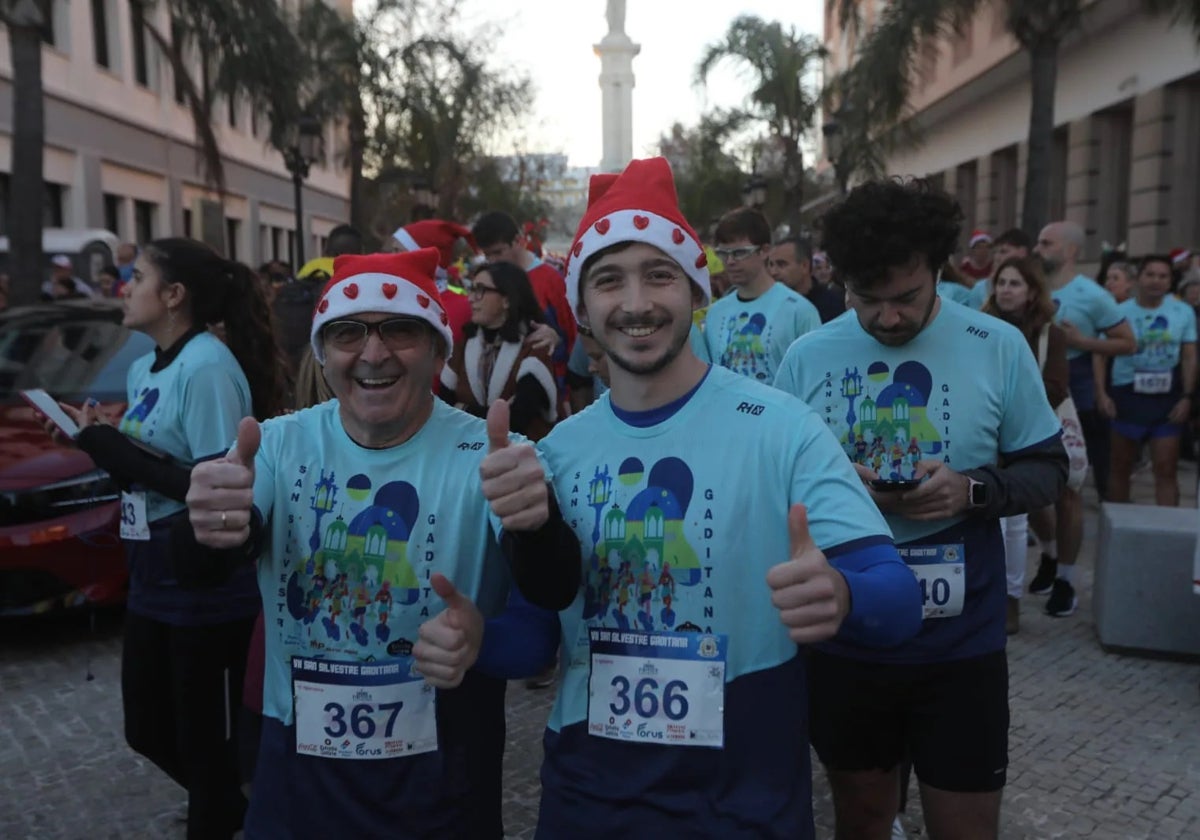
(363, 750)
(644, 731)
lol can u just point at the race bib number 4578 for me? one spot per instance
(657, 688)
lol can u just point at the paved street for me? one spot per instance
(1102, 746)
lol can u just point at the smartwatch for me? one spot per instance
(978, 494)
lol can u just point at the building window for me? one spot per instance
(100, 32)
(291, 250)
(1113, 173)
(112, 213)
(276, 238)
(187, 222)
(233, 232)
(1004, 187)
(141, 58)
(1059, 149)
(48, 33)
(232, 109)
(52, 210)
(143, 220)
(176, 38)
(966, 191)
(4, 190)
(963, 43)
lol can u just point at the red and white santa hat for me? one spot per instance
(434, 233)
(1180, 256)
(978, 236)
(638, 205)
(396, 284)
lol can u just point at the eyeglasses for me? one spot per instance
(477, 291)
(395, 333)
(732, 255)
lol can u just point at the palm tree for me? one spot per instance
(26, 21)
(776, 61)
(881, 79)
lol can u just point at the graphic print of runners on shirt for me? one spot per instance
(891, 418)
(359, 568)
(745, 346)
(641, 570)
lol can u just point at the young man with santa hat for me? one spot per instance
(385, 524)
(680, 710)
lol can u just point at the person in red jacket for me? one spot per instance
(498, 236)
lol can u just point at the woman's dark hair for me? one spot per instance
(224, 291)
(1039, 309)
(523, 309)
(884, 224)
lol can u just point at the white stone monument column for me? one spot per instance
(616, 52)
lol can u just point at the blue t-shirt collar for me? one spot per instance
(654, 416)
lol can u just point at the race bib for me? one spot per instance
(657, 688)
(941, 572)
(134, 525)
(1152, 382)
(362, 710)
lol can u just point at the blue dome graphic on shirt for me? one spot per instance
(888, 428)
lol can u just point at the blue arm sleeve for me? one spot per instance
(885, 598)
(520, 642)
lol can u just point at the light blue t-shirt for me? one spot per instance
(979, 294)
(965, 391)
(1087, 305)
(956, 292)
(673, 537)
(1161, 334)
(750, 336)
(355, 534)
(190, 409)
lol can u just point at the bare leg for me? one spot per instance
(1164, 454)
(961, 816)
(865, 803)
(1124, 454)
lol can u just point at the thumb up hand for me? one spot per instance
(221, 494)
(448, 644)
(812, 597)
(514, 482)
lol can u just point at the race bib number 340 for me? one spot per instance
(362, 710)
(657, 688)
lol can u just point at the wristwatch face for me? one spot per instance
(978, 494)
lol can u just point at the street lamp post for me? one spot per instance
(305, 149)
(754, 194)
(835, 136)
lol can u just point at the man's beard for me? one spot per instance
(654, 365)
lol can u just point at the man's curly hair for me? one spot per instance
(884, 224)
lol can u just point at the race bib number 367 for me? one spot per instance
(362, 710)
(657, 688)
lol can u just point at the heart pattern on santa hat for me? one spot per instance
(395, 284)
(638, 205)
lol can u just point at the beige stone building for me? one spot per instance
(120, 143)
(1126, 150)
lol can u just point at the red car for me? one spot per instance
(59, 514)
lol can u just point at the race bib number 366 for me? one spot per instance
(657, 688)
(362, 710)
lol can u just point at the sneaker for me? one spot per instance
(1043, 581)
(1062, 601)
(1012, 618)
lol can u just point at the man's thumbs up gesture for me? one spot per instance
(514, 482)
(812, 597)
(449, 642)
(221, 493)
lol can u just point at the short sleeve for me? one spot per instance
(1106, 312)
(1028, 419)
(212, 407)
(840, 513)
(1189, 326)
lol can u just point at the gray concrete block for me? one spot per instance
(1142, 595)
